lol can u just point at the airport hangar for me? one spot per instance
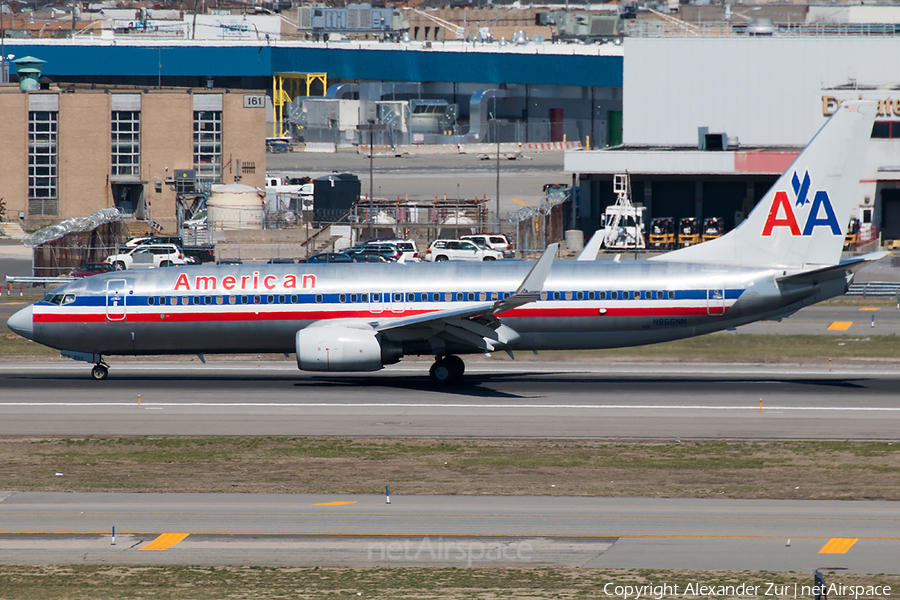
(703, 125)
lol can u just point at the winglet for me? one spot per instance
(531, 287)
(592, 248)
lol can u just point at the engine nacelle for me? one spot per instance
(336, 348)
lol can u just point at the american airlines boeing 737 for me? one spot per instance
(360, 317)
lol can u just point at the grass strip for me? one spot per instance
(87, 582)
(665, 468)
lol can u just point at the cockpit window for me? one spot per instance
(68, 299)
(53, 298)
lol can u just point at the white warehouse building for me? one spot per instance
(710, 123)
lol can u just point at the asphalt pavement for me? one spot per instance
(498, 399)
(484, 531)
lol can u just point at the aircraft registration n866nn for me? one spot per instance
(361, 317)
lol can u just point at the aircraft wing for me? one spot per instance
(461, 324)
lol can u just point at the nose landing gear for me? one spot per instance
(447, 370)
(100, 371)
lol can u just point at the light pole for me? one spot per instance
(371, 127)
(497, 123)
(4, 66)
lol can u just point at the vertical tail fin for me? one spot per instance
(800, 222)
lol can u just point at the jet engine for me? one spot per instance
(336, 348)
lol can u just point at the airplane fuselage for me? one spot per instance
(252, 309)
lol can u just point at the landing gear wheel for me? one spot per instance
(447, 370)
(456, 365)
(99, 372)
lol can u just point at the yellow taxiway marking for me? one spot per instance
(165, 541)
(517, 201)
(9, 303)
(838, 545)
(336, 503)
(869, 308)
(840, 326)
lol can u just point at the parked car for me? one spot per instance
(147, 256)
(92, 268)
(370, 257)
(441, 250)
(280, 261)
(389, 251)
(495, 241)
(327, 257)
(155, 239)
(409, 247)
(202, 253)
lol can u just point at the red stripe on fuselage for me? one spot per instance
(298, 315)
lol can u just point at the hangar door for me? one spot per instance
(890, 214)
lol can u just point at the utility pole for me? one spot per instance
(4, 67)
(371, 127)
(497, 123)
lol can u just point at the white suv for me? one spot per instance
(440, 250)
(497, 241)
(147, 256)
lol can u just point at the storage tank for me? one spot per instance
(236, 206)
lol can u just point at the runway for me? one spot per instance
(260, 529)
(499, 399)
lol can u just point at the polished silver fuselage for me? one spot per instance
(260, 308)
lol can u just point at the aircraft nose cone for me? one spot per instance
(22, 323)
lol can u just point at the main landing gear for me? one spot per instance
(447, 369)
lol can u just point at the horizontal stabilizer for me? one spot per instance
(842, 269)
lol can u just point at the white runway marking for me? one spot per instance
(150, 405)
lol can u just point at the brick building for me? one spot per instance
(69, 152)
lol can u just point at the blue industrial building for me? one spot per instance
(546, 93)
(80, 61)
